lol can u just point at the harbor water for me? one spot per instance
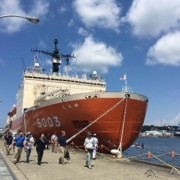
(157, 146)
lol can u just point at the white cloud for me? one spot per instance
(151, 18)
(166, 50)
(39, 8)
(93, 55)
(42, 44)
(1, 62)
(62, 9)
(82, 32)
(100, 13)
(48, 61)
(175, 121)
(71, 22)
(10, 25)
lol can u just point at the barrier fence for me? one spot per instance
(169, 160)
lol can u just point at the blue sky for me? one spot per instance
(140, 38)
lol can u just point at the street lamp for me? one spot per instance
(33, 20)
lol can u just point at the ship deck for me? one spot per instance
(104, 168)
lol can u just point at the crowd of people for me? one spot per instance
(19, 141)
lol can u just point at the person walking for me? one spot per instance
(88, 145)
(31, 140)
(95, 146)
(47, 137)
(9, 141)
(54, 141)
(19, 140)
(40, 144)
(63, 148)
(14, 143)
(28, 146)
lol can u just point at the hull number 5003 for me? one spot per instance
(48, 122)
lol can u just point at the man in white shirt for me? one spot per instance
(95, 143)
(54, 141)
(88, 145)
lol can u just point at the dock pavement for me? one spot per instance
(104, 168)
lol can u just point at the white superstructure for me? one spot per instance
(37, 87)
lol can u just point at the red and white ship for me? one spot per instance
(48, 103)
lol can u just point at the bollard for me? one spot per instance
(150, 172)
(173, 167)
(172, 155)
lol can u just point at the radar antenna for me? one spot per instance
(56, 56)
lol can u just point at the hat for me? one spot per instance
(94, 134)
(89, 134)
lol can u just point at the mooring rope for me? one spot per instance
(110, 109)
(122, 130)
(25, 117)
(135, 156)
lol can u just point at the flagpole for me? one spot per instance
(126, 80)
(126, 83)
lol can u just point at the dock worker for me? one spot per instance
(95, 146)
(88, 145)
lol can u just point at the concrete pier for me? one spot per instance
(104, 168)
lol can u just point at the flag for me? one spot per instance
(123, 77)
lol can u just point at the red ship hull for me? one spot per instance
(126, 119)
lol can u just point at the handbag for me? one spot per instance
(67, 156)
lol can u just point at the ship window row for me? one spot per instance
(64, 80)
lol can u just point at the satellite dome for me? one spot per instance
(94, 73)
(36, 64)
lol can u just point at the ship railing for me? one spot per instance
(127, 89)
(31, 71)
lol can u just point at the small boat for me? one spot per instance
(138, 145)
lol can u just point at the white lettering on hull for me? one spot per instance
(49, 122)
(70, 106)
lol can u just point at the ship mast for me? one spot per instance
(56, 57)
